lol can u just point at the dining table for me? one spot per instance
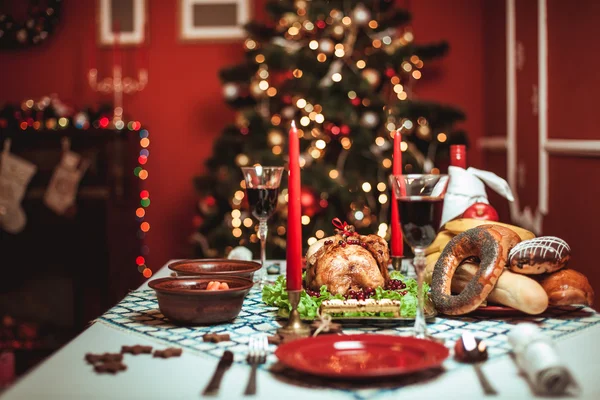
(137, 320)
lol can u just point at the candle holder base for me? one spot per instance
(397, 265)
(295, 328)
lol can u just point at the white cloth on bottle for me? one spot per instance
(467, 187)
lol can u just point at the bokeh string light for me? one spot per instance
(141, 173)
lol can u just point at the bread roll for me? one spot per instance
(567, 287)
(512, 290)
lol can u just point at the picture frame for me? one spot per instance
(201, 20)
(129, 16)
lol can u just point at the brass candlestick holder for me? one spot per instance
(295, 328)
(397, 265)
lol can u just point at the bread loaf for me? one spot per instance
(567, 287)
(512, 290)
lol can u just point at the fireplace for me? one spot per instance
(63, 271)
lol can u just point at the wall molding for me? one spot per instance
(571, 147)
(492, 143)
(582, 148)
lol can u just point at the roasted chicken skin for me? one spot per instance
(342, 263)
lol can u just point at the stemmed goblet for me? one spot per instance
(262, 191)
(420, 201)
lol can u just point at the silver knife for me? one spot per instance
(224, 363)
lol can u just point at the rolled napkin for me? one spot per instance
(467, 186)
(537, 358)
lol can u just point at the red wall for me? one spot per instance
(182, 105)
(573, 83)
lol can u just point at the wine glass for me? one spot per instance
(262, 191)
(420, 201)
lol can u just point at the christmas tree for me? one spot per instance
(345, 72)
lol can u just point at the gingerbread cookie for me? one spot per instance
(216, 337)
(167, 353)
(103, 358)
(110, 367)
(544, 254)
(137, 349)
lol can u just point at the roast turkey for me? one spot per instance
(347, 262)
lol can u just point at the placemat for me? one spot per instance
(138, 314)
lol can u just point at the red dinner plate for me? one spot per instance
(361, 356)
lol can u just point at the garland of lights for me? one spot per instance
(37, 27)
(140, 213)
(50, 113)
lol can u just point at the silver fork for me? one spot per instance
(257, 354)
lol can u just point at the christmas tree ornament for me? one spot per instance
(207, 205)
(64, 183)
(361, 15)
(326, 46)
(231, 91)
(15, 175)
(309, 202)
(369, 119)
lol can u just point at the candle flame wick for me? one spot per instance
(294, 125)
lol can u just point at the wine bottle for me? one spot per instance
(458, 155)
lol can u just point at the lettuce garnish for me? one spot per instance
(276, 295)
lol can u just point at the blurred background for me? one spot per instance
(128, 122)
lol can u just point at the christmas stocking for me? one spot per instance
(15, 174)
(61, 192)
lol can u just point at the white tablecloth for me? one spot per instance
(65, 375)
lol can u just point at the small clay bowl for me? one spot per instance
(215, 268)
(185, 300)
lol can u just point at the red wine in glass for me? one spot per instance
(421, 217)
(263, 201)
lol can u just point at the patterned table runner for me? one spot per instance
(138, 314)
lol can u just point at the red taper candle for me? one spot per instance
(294, 227)
(396, 242)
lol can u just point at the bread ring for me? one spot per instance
(490, 244)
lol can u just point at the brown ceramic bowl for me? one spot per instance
(185, 300)
(215, 268)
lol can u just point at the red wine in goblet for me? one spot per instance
(420, 200)
(262, 201)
